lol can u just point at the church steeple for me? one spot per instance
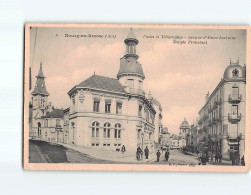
(40, 88)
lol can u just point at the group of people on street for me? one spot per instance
(204, 158)
(234, 157)
(236, 160)
(139, 154)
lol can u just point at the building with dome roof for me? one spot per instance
(222, 118)
(104, 112)
(185, 132)
(108, 112)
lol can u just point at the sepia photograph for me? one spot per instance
(136, 97)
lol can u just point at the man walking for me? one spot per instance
(167, 155)
(138, 153)
(158, 155)
(220, 157)
(146, 152)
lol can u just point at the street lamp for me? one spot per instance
(142, 136)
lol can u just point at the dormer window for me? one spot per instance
(235, 73)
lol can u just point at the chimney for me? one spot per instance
(207, 97)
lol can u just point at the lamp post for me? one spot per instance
(142, 136)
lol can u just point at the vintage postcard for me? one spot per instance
(137, 98)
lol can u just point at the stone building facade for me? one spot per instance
(104, 112)
(222, 118)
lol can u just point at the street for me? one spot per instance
(45, 152)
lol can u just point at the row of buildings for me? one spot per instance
(220, 127)
(104, 112)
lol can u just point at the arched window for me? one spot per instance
(107, 130)
(95, 129)
(117, 131)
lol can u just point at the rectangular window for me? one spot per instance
(140, 85)
(140, 111)
(234, 110)
(130, 83)
(235, 90)
(93, 144)
(118, 108)
(107, 106)
(96, 106)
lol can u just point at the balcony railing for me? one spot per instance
(234, 118)
(234, 98)
(137, 91)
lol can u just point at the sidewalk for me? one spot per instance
(127, 157)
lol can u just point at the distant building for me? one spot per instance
(165, 137)
(177, 142)
(222, 118)
(185, 132)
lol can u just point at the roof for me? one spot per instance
(184, 124)
(131, 37)
(40, 87)
(234, 72)
(130, 66)
(56, 113)
(103, 83)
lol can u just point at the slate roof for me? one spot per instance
(103, 83)
(130, 66)
(40, 87)
(56, 113)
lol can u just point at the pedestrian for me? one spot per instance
(216, 158)
(167, 155)
(242, 161)
(237, 159)
(138, 153)
(158, 155)
(199, 159)
(123, 149)
(233, 159)
(146, 152)
(204, 159)
(220, 157)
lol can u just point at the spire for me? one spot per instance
(40, 88)
(40, 73)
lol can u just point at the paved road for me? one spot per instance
(44, 152)
(177, 158)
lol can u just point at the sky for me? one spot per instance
(178, 75)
